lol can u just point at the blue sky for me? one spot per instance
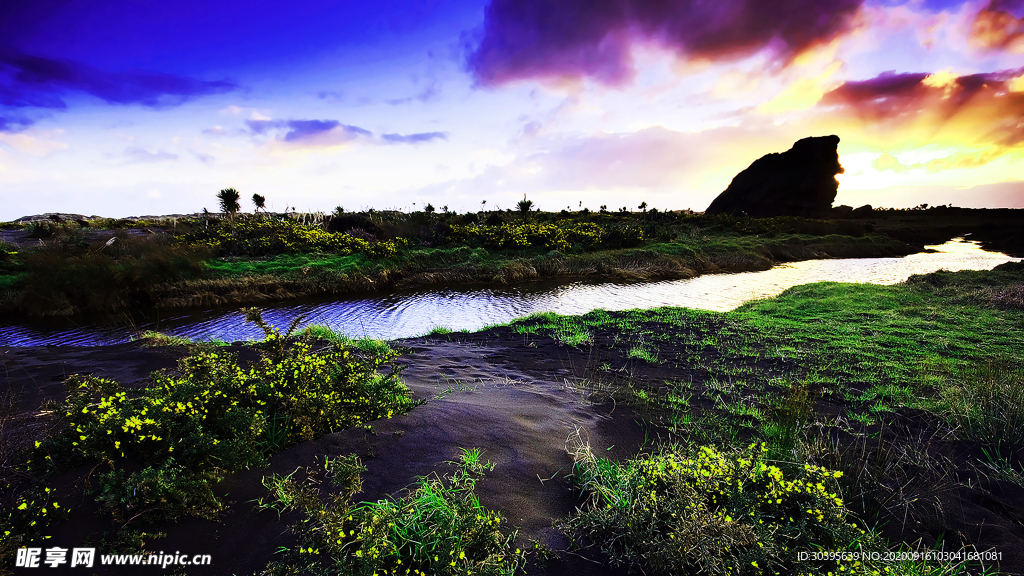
(128, 108)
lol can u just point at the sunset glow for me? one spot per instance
(128, 109)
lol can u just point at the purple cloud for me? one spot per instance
(886, 95)
(997, 111)
(428, 93)
(525, 39)
(262, 126)
(331, 132)
(306, 130)
(415, 138)
(34, 81)
(14, 124)
(302, 129)
(892, 95)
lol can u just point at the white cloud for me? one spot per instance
(35, 142)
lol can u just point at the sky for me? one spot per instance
(126, 107)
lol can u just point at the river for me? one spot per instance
(415, 312)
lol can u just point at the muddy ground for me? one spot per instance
(517, 398)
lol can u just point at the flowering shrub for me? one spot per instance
(216, 417)
(579, 235)
(671, 513)
(25, 520)
(264, 237)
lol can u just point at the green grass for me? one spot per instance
(273, 258)
(284, 264)
(749, 247)
(437, 526)
(369, 345)
(11, 281)
(471, 460)
(984, 400)
(942, 342)
(881, 334)
(643, 353)
(154, 338)
(864, 339)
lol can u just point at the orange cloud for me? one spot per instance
(969, 158)
(996, 29)
(971, 111)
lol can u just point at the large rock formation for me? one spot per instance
(798, 182)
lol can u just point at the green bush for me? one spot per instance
(710, 512)
(438, 527)
(625, 237)
(25, 519)
(563, 237)
(215, 417)
(267, 236)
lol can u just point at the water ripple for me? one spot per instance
(411, 313)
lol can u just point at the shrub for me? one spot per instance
(710, 512)
(262, 237)
(625, 237)
(216, 417)
(437, 527)
(564, 238)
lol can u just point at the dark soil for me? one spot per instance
(515, 397)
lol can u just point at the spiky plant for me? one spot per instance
(525, 205)
(228, 198)
(259, 201)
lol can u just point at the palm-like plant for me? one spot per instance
(260, 202)
(524, 205)
(228, 198)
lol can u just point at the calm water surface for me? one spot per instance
(411, 313)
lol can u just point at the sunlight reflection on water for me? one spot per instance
(412, 313)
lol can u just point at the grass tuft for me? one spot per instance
(438, 526)
(985, 400)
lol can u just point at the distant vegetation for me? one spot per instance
(107, 266)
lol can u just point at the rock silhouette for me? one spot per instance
(798, 182)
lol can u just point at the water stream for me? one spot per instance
(415, 312)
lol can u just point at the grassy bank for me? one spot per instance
(209, 262)
(905, 399)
